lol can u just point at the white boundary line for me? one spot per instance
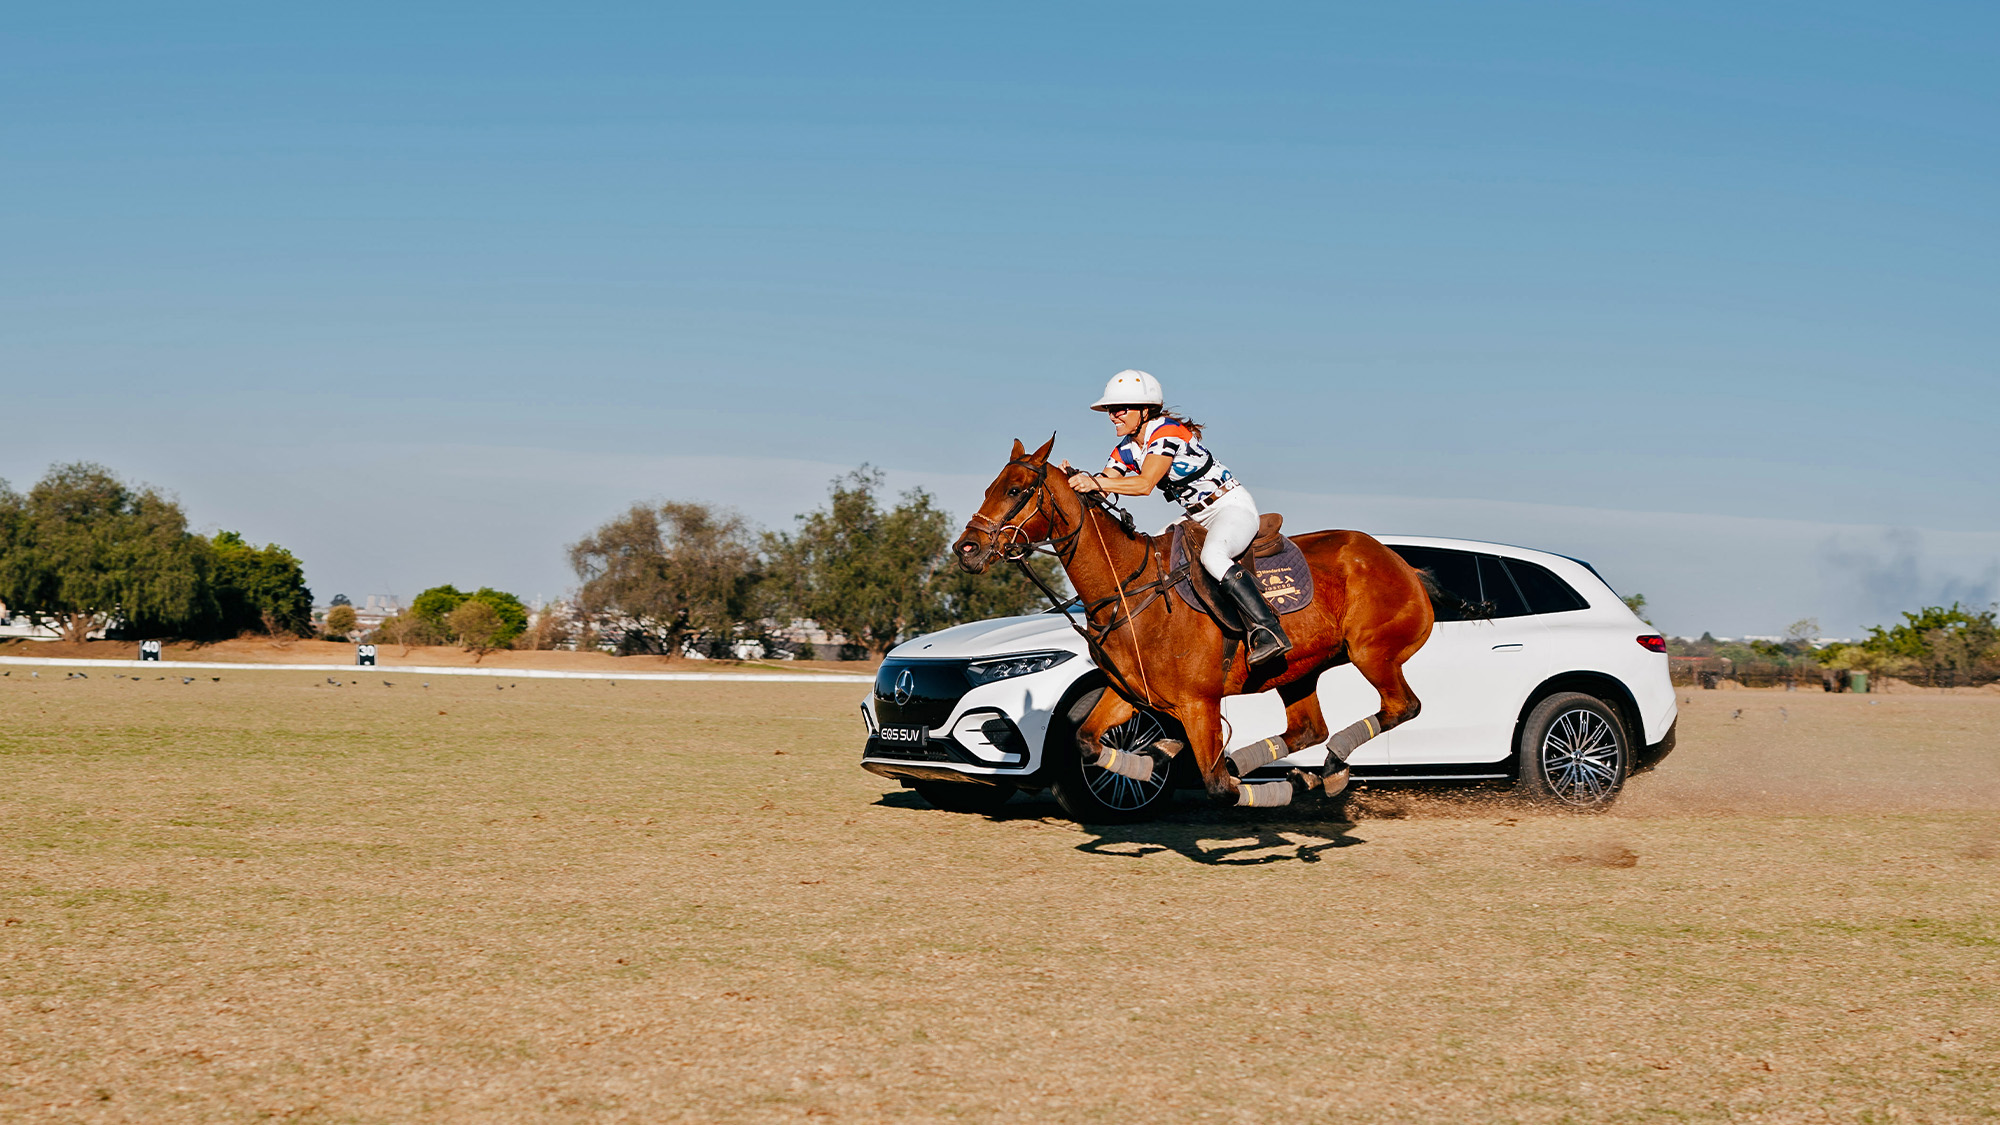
(420, 670)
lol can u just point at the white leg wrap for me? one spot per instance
(1342, 745)
(1138, 767)
(1255, 757)
(1264, 795)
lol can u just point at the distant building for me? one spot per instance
(376, 609)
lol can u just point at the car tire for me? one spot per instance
(964, 796)
(1575, 753)
(1095, 796)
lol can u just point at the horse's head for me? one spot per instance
(1015, 514)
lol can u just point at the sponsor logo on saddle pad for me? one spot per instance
(1284, 579)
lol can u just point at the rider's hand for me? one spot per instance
(1083, 482)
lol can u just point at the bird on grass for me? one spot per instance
(187, 679)
(1738, 714)
(386, 683)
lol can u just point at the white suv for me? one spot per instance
(1559, 693)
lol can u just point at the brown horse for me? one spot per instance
(1369, 608)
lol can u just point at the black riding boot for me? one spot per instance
(1267, 637)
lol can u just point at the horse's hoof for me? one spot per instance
(1303, 782)
(1333, 784)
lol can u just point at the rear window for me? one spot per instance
(1545, 592)
(1456, 571)
(1499, 590)
(1511, 587)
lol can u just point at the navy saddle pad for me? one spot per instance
(1284, 578)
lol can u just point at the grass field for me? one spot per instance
(265, 897)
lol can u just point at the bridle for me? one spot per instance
(1017, 546)
(1010, 534)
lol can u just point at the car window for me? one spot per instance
(1545, 592)
(1498, 589)
(1456, 571)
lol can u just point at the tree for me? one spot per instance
(82, 548)
(260, 589)
(435, 605)
(958, 595)
(550, 629)
(1955, 642)
(477, 625)
(431, 616)
(1921, 631)
(875, 576)
(672, 571)
(340, 621)
(512, 613)
(1637, 604)
(408, 629)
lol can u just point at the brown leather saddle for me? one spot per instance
(1280, 567)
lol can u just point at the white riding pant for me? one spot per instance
(1232, 523)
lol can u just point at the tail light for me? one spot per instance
(1653, 642)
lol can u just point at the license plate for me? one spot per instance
(905, 736)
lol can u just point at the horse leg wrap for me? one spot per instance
(1248, 759)
(1265, 795)
(1138, 767)
(1341, 745)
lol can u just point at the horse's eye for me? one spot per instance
(1013, 492)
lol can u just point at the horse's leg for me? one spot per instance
(1111, 710)
(1304, 726)
(1202, 720)
(1223, 773)
(1381, 664)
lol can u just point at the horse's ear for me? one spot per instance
(1042, 454)
(1019, 451)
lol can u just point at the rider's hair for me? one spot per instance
(1193, 426)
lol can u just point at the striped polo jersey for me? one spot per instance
(1186, 483)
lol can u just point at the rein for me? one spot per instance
(1063, 547)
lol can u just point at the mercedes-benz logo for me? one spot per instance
(906, 687)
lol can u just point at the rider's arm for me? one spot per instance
(1151, 471)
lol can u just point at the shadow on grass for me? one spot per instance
(1226, 837)
(1188, 827)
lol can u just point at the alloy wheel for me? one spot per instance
(1580, 757)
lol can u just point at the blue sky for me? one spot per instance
(1704, 290)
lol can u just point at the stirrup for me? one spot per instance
(1274, 644)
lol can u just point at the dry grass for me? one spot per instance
(253, 649)
(270, 898)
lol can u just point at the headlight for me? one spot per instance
(1007, 667)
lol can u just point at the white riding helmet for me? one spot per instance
(1131, 388)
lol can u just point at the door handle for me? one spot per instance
(1507, 648)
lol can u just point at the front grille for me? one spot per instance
(932, 689)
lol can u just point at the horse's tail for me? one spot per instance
(1463, 610)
